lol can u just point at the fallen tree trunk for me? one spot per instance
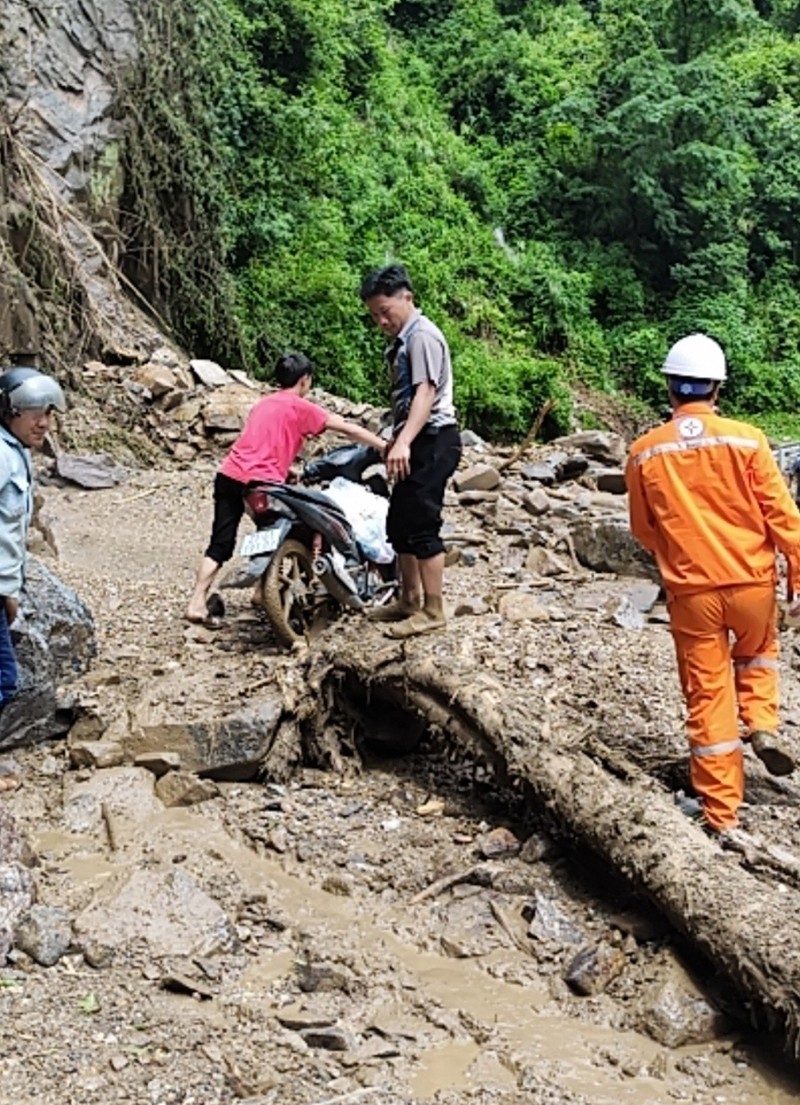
(746, 924)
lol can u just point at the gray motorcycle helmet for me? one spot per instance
(25, 389)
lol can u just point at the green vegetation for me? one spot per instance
(572, 185)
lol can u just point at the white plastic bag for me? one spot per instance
(366, 513)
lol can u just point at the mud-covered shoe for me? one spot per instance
(397, 611)
(424, 621)
(767, 747)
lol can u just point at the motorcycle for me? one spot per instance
(310, 558)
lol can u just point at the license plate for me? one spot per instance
(262, 541)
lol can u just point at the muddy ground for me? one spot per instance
(335, 981)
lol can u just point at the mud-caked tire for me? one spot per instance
(296, 605)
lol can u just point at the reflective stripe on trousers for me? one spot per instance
(724, 683)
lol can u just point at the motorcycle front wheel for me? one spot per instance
(297, 605)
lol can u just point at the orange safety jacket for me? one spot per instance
(708, 500)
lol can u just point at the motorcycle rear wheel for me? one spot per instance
(295, 602)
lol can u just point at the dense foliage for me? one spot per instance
(572, 183)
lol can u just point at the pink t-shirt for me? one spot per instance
(272, 437)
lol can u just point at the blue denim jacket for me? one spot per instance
(16, 508)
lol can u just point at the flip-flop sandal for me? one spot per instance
(211, 621)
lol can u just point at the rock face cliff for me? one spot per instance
(61, 180)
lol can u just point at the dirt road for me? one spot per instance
(342, 974)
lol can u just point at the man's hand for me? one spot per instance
(12, 609)
(398, 461)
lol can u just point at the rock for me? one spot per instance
(613, 481)
(543, 562)
(607, 545)
(188, 410)
(659, 615)
(331, 1038)
(537, 847)
(472, 498)
(242, 378)
(521, 606)
(225, 747)
(541, 473)
(226, 409)
(675, 1012)
(325, 978)
(45, 934)
(93, 471)
(470, 440)
(165, 909)
(17, 889)
(548, 922)
(89, 725)
(571, 468)
(593, 968)
(471, 608)
(643, 596)
(96, 754)
(157, 378)
(210, 373)
(54, 641)
(622, 612)
(601, 445)
(340, 885)
(480, 477)
(499, 842)
(181, 788)
(165, 356)
(183, 452)
(536, 502)
(158, 763)
(114, 801)
(299, 1017)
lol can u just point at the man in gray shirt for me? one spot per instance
(424, 451)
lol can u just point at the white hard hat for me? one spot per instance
(29, 389)
(696, 356)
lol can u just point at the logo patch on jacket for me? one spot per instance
(690, 427)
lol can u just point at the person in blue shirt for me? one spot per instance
(27, 399)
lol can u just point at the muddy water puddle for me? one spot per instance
(459, 1027)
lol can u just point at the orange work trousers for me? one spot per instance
(727, 647)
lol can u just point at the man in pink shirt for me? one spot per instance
(273, 435)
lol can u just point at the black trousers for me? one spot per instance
(414, 520)
(228, 511)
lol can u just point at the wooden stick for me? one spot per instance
(443, 884)
(138, 495)
(529, 438)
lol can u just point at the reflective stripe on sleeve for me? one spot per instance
(757, 662)
(696, 443)
(720, 749)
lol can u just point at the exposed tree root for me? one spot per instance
(746, 924)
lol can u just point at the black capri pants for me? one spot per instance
(228, 511)
(414, 520)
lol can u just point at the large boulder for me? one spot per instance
(231, 745)
(601, 446)
(606, 544)
(54, 641)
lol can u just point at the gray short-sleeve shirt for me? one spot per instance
(420, 354)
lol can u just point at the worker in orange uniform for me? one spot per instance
(708, 500)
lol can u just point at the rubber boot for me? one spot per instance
(775, 759)
(397, 611)
(427, 620)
